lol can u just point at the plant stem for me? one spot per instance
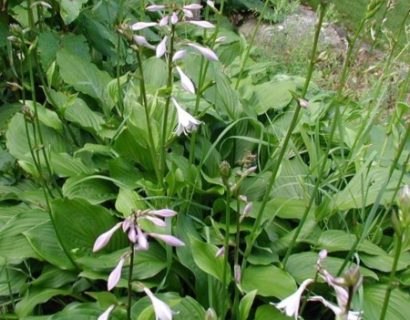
(129, 302)
(151, 146)
(226, 246)
(235, 308)
(275, 169)
(167, 102)
(390, 287)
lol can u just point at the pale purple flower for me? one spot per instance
(157, 221)
(185, 81)
(248, 208)
(115, 275)
(243, 198)
(220, 252)
(251, 170)
(107, 312)
(164, 21)
(162, 47)
(141, 41)
(186, 122)
(161, 309)
(188, 13)
(132, 234)
(163, 213)
(180, 54)
(206, 52)
(174, 18)
(202, 23)
(105, 237)
(290, 305)
(126, 224)
(211, 4)
(168, 239)
(143, 244)
(155, 7)
(193, 6)
(142, 25)
(303, 103)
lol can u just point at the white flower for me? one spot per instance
(142, 25)
(193, 6)
(161, 309)
(202, 23)
(206, 52)
(106, 314)
(186, 122)
(290, 305)
(180, 54)
(105, 237)
(164, 21)
(141, 41)
(185, 81)
(174, 18)
(155, 7)
(115, 275)
(162, 47)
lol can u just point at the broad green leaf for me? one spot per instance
(94, 189)
(35, 297)
(66, 166)
(125, 172)
(303, 266)
(398, 307)
(246, 304)
(128, 201)
(338, 240)
(69, 10)
(204, 255)
(155, 73)
(45, 243)
(6, 112)
(82, 75)
(384, 262)
(46, 116)
(17, 143)
(52, 277)
(79, 113)
(14, 246)
(269, 281)
(82, 311)
(12, 280)
(79, 223)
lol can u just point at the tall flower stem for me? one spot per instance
(166, 108)
(390, 286)
(275, 169)
(226, 246)
(144, 99)
(235, 308)
(131, 270)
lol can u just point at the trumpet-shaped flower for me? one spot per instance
(161, 309)
(141, 41)
(351, 315)
(185, 81)
(290, 305)
(179, 55)
(115, 275)
(105, 315)
(206, 52)
(162, 47)
(174, 18)
(170, 240)
(155, 7)
(202, 23)
(193, 6)
(104, 238)
(186, 122)
(142, 25)
(164, 21)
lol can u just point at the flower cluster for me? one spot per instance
(169, 18)
(137, 236)
(344, 288)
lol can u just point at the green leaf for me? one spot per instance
(204, 255)
(35, 297)
(44, 242)
(338, 240)
(66, 166)
(246, 304)
(82, 75)
(92, 188)
(79, 113)
(155, 73)
(52, 277)
(398, 307)
(69, 10)
(128, 201)
(79, 223)
(6, 112)
(384, 262)
(12, 280)
(270, 281)
(303, 266)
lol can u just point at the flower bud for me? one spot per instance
(211, 314)
(404, 199)
(225, 170)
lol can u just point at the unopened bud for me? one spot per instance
(211, 314)
(353, 278)
(237, 273)
(404, 199)
(225, 170)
